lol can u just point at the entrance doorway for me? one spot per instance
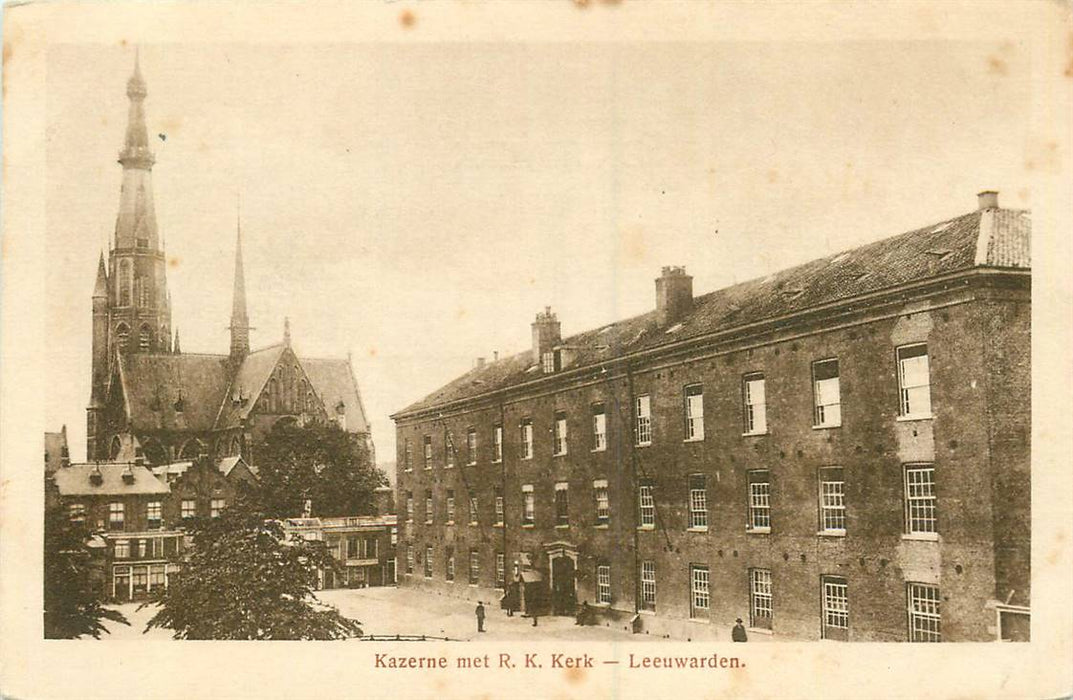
(563, 593)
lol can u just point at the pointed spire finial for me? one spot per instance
(240, 322)
(176, 348)
(100, 288)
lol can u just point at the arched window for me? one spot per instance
(144, 293)
(124, 283)
(154, 452)
(145, 338)
(122, 334)
(114, 448)
(192, 448)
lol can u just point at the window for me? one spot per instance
(694, 408)
(156, 576)
(157, 547)
(449, 450)
(115, 516)
(648, 586)
(474, 567)
(450, 574)
(832, 500)
(450, 506)
(428, 506)
(497, 443)
(924, 621)
(145, 339)
(699, 590)
(755, 401)
(920, 499)
(643, 411)
(528, 505)
(122, 332)
(603, 510)
(560, 433)
(547, 362)
(562, 504)
(76, 512)
(835, 608)
(599, 428)
(122, 549)
(473, 519)
(527, 439)
(215, 506)
(646, 505)
(409, 506)
(759, 500)
(914, 381)
(471, 446)
(826, 395)
(153, 515)
(698, 502)
(760, 598)
(428, 562)
(188, 508)
(499, 505)
(603, 584)
(428, 452)
(141, 578)
(141, 549)
(501, 570)
(407, 455)
(409, 559)
(125, 282)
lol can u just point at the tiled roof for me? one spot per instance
(75, 480)
(248, 383)
(154, 383)
(988, 238)
(334, 383)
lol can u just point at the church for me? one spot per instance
(152, 402)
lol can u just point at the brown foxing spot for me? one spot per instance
(372, 351)
(407, 19)
(173, 262)
(574, 675)
(997, 65)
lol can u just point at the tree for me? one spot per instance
(71, 598)
(246, 579)
(320, 463)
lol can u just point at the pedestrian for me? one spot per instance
(738, 633)
(509, 595)
(534, 617)
(480, 616)
(582, 614)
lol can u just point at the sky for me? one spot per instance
(415, 205)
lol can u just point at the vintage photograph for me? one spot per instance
(628, 342)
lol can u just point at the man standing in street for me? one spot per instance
(738, 633)
(480, 616)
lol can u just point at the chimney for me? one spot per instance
(674, 295)
(546, 334)
(988, 199)
(480, 363)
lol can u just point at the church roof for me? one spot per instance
(993, 238)
(334, 382)
(154, 383)
(75, 480)
(249, 381)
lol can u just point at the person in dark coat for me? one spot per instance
(738, 633)
(582, 614)
(480, 616)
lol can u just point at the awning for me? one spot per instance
(531, 576)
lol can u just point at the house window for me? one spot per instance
(599, 428)
(527, 439)
(428, 452)
(141, 579)
(832, 500)
(409, 559)
(409, 506)
(450, 506)
(603, 584)
(759, 500)
(428, 562)
(760, 599)
(497, 443)
(141, 549)
(122, 549)
(694, 412)
(755, 401)
(499, 505)
(646, 505)
(76, 512)
(698, 502)
(700, 592)
(920, 499)
(473, 519)
(603, 510)
(188, 508)
(407, 455)
(153, 515)
(528, 505)
(826, 395)
(449, 449)
(215, 506)
(450, 574)
(914, 381)
(643, 410)
(562, 506)
(115, 516)
(560, 433)
(471, 446)
(924, 620)
(156, 576)
(501, 570)
(648, 586)
(474, 566)
(547, 361)
(157, 547)
(428, 506)
(835, 608)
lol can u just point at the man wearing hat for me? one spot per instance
(738, 633)
(480, 616)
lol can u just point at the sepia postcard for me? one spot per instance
(584, 348)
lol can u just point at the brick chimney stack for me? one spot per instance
(674, 295)
(546, 333)
(988, 199)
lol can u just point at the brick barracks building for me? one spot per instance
(839, 450)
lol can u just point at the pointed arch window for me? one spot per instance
(124, 282)
(122, 334)
(145, 339)
(145, 293)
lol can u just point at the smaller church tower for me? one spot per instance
(99, 373)
(240, 320)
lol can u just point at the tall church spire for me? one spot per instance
(240, 321)
(136, 223)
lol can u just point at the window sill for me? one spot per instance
(760, 630)
(758, 531)
(601, 605)
(600, 526)
(646, 612)
(558, 454)
(471, 464)
(428, 469)
(643, 444)
(921, 536)
(700, 620)
(563, 527)
(646, 528)
(497, 461)
(827, 427)
(754, 434)
(598, 449)
(473, 523)
(831, 533)
(428, 522)
(694, 439)
(450, 523)
(497, 524)
(909, 419)
(528, 526)
(697, 529)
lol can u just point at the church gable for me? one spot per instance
(270, 383)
